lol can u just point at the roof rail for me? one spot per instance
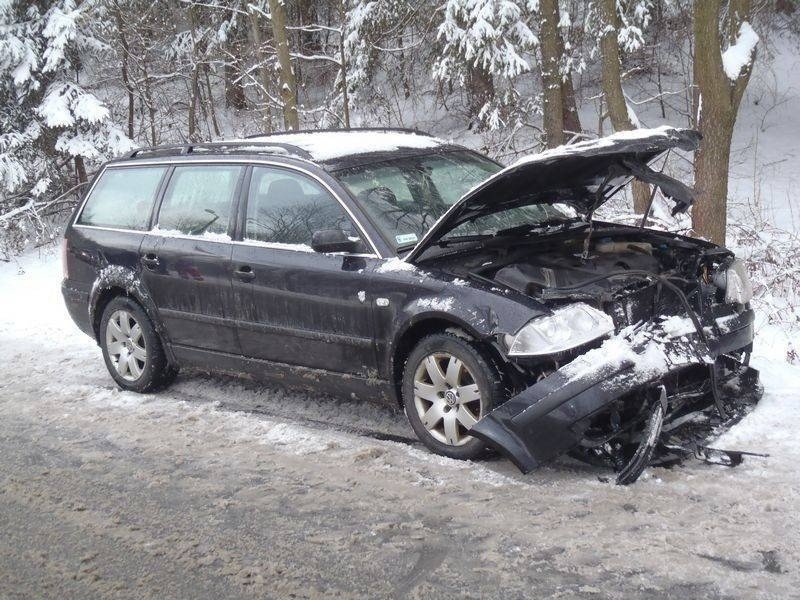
(342, 130)
(231, 147)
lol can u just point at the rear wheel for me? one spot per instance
(448, 386)
(133, 352)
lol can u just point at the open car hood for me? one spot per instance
(573, 175)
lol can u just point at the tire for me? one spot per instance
(449, 384)
(132, 350)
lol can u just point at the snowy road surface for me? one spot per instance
(219, 488)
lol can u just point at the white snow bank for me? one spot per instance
(740, 55)
(328, 145)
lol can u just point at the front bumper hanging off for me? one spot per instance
(550, 417)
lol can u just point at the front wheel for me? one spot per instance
(132, 349)
(448, 386)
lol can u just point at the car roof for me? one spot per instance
(332, 149)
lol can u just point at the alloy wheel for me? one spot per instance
(446, 398)
(126, 345)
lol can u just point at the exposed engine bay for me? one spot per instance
(627, 272)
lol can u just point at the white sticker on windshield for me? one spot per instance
(406, 238)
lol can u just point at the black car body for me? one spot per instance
(345, 314)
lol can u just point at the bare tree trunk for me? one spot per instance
(194, 87)
(612, 89)
(123, 42)
(234, 91)
(717, 105)
(553, 98)
(572, 121)
(211, 108)
(151, 108)
(288, 84)
(345, 97)
(481, 89)
(80, 170)
(255, 34)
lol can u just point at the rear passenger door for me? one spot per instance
(186, 257)
(297, 306)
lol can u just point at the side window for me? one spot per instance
(284, 207)
(122, 198)
(198, 200)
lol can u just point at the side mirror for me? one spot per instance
(333, 240)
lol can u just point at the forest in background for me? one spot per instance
(85, 80)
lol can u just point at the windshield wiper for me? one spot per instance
(534, 226)
(405, 247)
(462, 239)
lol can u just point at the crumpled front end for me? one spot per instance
(600, 402)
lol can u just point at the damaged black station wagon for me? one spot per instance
(487, 302)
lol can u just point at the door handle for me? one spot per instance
(150, 261)
(244, 273)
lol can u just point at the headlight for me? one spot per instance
(568, 327)
(736, 283)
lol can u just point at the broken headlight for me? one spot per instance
(735, 282)
(568, 327)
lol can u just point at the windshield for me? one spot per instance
(404, 197)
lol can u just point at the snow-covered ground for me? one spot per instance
(219, 487)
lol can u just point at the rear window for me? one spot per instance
(198, 200)
(122, 198)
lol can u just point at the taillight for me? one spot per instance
(64, 254)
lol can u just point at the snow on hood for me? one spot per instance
(572, 174)
(330, 145)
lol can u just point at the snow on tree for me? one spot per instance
(487, 45)
(50, 121)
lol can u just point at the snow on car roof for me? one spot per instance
(330, 145)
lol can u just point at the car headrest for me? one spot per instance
(282, 190)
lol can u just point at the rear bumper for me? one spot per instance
(76, 299)
(550, 417)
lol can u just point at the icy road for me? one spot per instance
(222, 488)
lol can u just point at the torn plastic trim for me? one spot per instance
(550, 417)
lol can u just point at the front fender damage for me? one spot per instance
(552, 416)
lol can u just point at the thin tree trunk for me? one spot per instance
(345, 97)
(211, 108)
(287, 81)
(612, 89)
(125, 74)
(716, 108)
(255, 34)
(234, 91)
(481, 90)
(151, 109)
(194, 88)
(553, 98)
(80, 170)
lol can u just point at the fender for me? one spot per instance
(483, 314)
(116, 276)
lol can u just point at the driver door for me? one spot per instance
(294, 305)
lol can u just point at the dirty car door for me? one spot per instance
(294, 305)
(186, 257)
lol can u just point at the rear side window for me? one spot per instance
(122, 198)
(198, 200)
(284, 207)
